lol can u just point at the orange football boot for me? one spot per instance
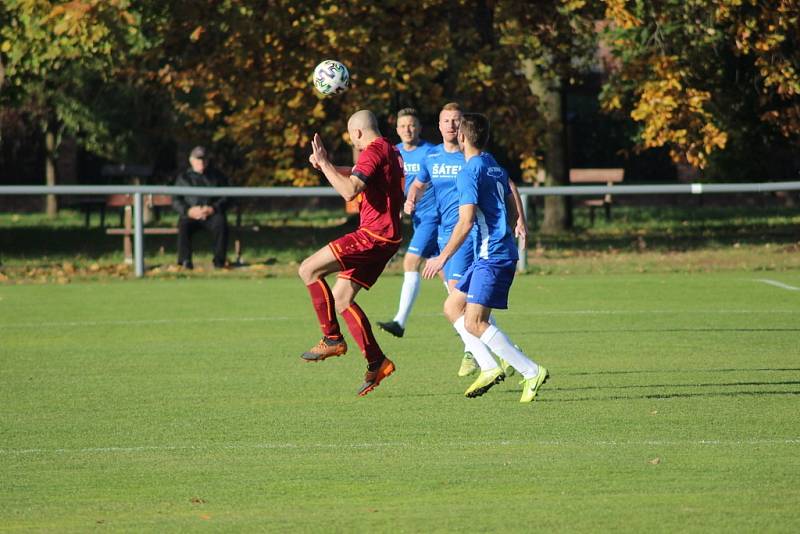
(373, 378)
(326, 348)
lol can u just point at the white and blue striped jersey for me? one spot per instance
(484, 183)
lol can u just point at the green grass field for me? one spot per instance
(182, 405)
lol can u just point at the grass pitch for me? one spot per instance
(166, 405)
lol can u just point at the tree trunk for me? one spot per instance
(557, 210)
(50, 170)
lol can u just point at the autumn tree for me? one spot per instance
(555, 46)
(59, 61)
(715, 81)
(240, 73)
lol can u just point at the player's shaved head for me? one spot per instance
(362, 127)
(363, 119)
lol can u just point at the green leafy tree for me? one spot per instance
(60, 61)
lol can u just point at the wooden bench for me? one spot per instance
(154, 202)
(607, 177)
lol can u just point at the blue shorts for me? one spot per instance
(423, 242)
(488, 282)
(460, 262)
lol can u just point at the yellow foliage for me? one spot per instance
(620, 15)
(211, 110)
(196, 34)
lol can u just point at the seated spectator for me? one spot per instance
(198, 212)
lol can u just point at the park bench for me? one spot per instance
(155, 203)
(607, 177)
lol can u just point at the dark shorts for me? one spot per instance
(362, 256)
(488, 282)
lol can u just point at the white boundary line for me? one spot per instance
(146, 322)
(404, 445)
(777, 284)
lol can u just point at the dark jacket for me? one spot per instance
(189, 178)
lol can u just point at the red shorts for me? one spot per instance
(362, 256)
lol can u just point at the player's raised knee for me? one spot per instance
(306, 271)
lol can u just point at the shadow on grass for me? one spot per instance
(660, 241)
(665, 396)
(660, 330)
(295, 235)
(699, 385)
(93, 243)
(682, 371)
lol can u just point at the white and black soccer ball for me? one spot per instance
(331, 77)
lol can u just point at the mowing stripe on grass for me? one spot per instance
(398, 444)
(777, 284)
(145, 322)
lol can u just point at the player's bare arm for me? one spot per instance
(466, 218)
(346, 184)
(414, 194)
(512, 215)
(519, 222)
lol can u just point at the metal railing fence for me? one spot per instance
(525, 192)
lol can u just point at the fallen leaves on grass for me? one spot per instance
(654, 461)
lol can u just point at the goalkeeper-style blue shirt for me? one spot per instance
(440, 169)
(412, 163)
(484, 183)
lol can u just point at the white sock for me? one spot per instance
(475, 346)
(498, 341)
(408, 295)
(447, 288)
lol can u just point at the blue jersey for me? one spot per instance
(440, 169)
(484, 183)
(412, 163)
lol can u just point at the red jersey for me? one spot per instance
(379, 166)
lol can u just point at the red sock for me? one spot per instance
(322, 299)
(361, 330)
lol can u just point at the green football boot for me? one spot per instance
(484, 382)
(468, 365)
(506, 367)
(530, 386)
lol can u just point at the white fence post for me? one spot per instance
(138, 235)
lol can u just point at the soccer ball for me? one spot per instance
(331, 77)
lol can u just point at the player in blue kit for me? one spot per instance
(486, 206)
(425, 219)
(438, 172)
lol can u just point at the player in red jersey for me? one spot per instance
(359, 257)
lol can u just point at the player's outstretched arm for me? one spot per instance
(347, 185)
